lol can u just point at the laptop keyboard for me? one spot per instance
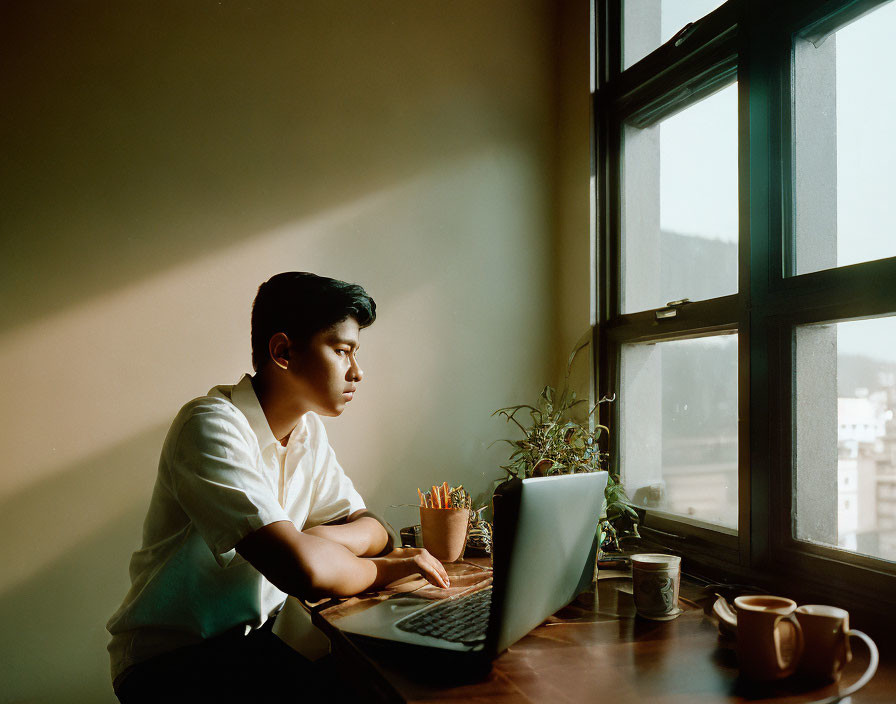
(461, 620)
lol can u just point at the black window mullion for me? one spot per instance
(762, 222)
(681, 71)
(609, 56)
(695, 319)
(860, 287)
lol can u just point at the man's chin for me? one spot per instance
(332, 412)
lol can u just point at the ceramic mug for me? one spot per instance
(655, 582)
(826, 631)
(769, 637)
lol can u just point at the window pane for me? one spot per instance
(678, 427)
(845, 477)
(844, 145)
(679, 206)
(648, 24)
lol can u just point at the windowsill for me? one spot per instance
(869, 613)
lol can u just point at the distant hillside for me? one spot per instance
(699, 396)
(696, 267)
(860, 372)
(699, 400)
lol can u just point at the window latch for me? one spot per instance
(671, 309)
(682, 35)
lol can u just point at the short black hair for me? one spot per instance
(301, 304)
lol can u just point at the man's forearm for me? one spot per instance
(364, 536)
(342, 574)
(311, 567)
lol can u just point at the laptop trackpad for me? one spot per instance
(379, 622)
(384, 612)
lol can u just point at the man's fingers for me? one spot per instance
(439, 567)
(442, 571)
(442, 577)
(433, 571)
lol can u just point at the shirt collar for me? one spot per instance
(244, 398)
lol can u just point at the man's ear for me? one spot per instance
(278, 348)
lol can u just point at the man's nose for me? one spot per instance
(355, 372)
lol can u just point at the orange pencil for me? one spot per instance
(422, 500)
(445, 502)
(436, 498)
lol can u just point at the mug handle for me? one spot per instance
(788, 668)
(873, 658)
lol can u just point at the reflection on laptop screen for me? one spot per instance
(541, 552)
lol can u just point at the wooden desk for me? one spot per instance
(597, 650)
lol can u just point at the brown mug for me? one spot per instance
(827, 633)
(769, 637)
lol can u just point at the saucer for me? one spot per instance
(726, 615)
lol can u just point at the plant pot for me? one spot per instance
(445, 532)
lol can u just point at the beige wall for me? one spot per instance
(572, 238)
(161, 159)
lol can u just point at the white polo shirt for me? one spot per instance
(222, 474)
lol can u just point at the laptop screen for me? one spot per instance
(545, 532)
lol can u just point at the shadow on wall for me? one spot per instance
(51, 625)
(64, 572)
(143, 135)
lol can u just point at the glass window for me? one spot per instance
(679, 206)
(678, 427)
(816, 400)
(845, 478)
(844, 147)
(648, 24)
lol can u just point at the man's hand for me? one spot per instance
(403, 562)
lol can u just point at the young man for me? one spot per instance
(250, 505)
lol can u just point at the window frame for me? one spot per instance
(755, 41)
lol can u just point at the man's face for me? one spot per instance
(326, 372)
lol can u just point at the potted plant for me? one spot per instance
(559, 438)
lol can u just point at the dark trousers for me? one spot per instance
(258, 667)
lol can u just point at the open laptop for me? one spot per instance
(543, 555)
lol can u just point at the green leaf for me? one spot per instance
(550, 433)
(513, 443)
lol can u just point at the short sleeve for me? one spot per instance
(334, 494)
(216, 480)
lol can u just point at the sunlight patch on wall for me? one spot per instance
(81, 381)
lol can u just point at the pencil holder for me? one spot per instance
(445, 532)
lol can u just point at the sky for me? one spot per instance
(698, 173)
(698, 147)
(866, 146)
